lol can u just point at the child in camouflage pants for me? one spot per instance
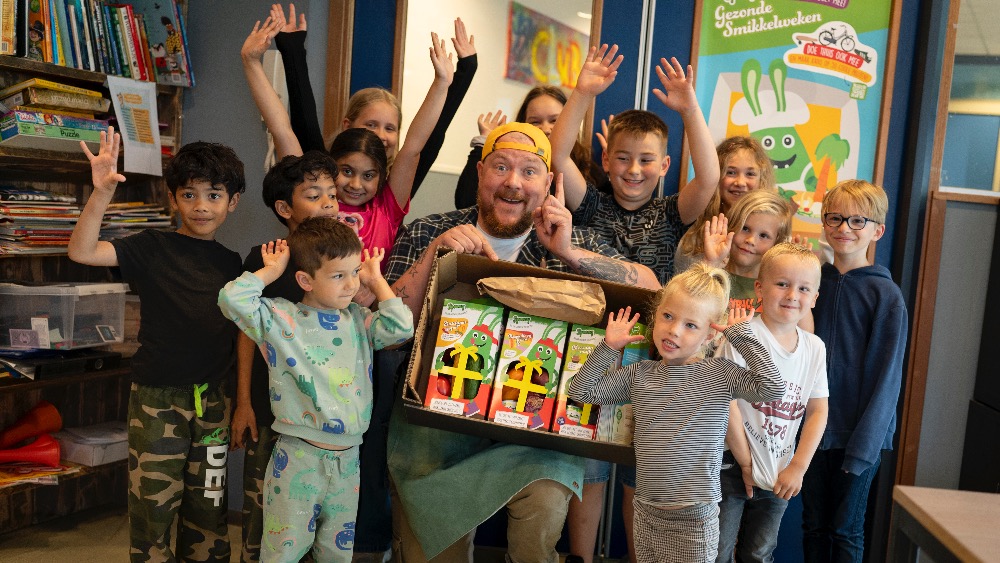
(178, 411)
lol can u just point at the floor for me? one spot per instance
(101, 534)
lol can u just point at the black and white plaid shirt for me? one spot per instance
(414, 238)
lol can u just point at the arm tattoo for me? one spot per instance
(609, 269)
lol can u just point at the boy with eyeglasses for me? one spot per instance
(861, 317)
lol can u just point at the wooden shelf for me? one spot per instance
(28, 385)
(50, 165)
(49, 70)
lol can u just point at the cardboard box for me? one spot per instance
(572, 418)
(468, 342)
(524, 390)
(94, 445)
(454, 276)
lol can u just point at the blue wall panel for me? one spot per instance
(374, 30)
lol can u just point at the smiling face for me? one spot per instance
(757, 236)
(850, 247)
(635, 164)
(788, 289)
(202, 208)
(380, 118)
(682, 326)
(314, 197)
(740, 176)
(542, 112)
(333, 285)
(358, 180)
(512, 183)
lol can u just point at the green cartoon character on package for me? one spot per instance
(464, 358)
(772, 117)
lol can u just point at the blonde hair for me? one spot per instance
(702, 282)
(806, 256)
(692, 243)
(368, 96)
(768, 203)
(871, 200)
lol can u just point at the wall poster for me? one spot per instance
(543, 50)
(806, 78)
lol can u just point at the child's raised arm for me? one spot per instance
(718, 241)
(371, 275)
(85, 245)
(678, 95)
(597, 74)
(619, 332)
(404, 168)
(267, 100)
(275, 255)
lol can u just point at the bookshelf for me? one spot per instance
(91, 397)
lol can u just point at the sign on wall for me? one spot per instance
(542, 50)
(806, 79)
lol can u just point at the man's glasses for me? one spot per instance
(855, 222)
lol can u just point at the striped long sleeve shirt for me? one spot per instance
(681, 413)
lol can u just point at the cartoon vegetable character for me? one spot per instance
(479, 340)
(541, 364)
(771, 116)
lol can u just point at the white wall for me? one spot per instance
(487, 22)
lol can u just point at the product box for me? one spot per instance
(465, 357)
(94, 445)
(524, 390)
(574, 419)
(454, 276)
(18, 132)
(62, 316)
(615, 423)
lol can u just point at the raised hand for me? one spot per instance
(599, 70)
(488, 122)
(802, 241)
(553, 221)
(619, 331)
(602, 135)
(259, 39)
(678, 87)
(444, 69)
(275, 255)
(371, 268)
(718, 241)
(104, 165)
(290, 25)
(465, 44)
(737, 315)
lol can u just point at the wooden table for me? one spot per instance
(947, 525)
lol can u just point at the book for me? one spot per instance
(111, 33)
(62, 29)
(10, 193)
(128, 39)
(21, 28)
(83, 19)
(144, 44)
(44, 98)
(50, 85)
(54, 37)
(166, 42)
(97, 33)
(8, 15)
(37, 32)
(184, 38)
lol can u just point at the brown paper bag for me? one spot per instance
(565, 300)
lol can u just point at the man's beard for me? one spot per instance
(491, 224)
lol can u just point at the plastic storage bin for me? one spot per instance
(61, 317)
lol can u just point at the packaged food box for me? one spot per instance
(524, 389)
(465, 357)
(574, 419)
(615, 422)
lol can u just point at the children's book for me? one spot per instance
(38, 33)
(167, 46)
(49, 84)
(8, 15)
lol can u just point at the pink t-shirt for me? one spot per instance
(377, 221)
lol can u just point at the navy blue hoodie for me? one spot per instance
(861, 317)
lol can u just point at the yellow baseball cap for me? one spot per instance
(542, 147)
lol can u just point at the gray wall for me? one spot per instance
(967, 246)
(220, 109)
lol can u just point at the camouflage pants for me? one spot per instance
(258, 454)
(311, 502)
(177, 468)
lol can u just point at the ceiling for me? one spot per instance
(975, 36)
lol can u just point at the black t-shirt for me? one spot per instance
(285, 287)
(184, 339)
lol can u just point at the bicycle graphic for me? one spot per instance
(838, 34)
